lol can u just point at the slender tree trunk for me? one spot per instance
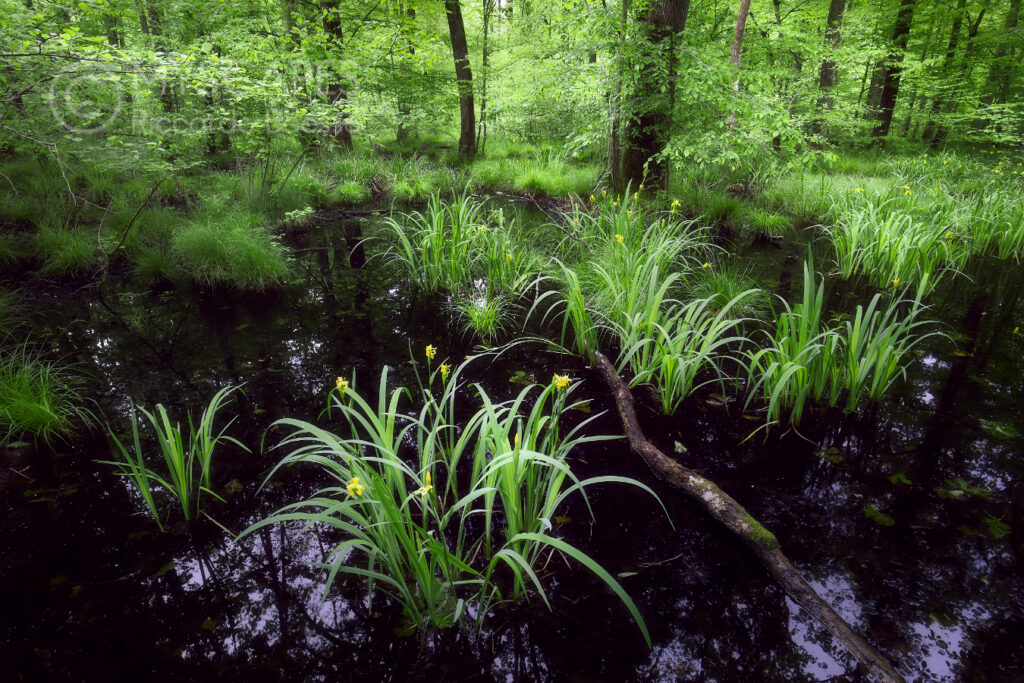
(481, 143)
(829, 71)
(966, 66)
(1000, 74)
(648, 129)
(893, 69)
(402, 134)
(734, 57)
(615, 140)
(463, 77)
(337, 93)
(916, 95)
(946, 71)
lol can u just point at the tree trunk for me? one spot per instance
(481, 143)
(829, 72)
(648, 128)
(615, 139)
(1000, 74)
(947, 65)
(337, 93)
(724, 509)
(964, 72)
(737, 51)
(893, 69)
(463, 77)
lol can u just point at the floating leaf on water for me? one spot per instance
(18, 444)
(997, 527)
(968, 531)
(520, 377)
(582, 406)
(562, 520)
(241, 327)
(899, 478)
(163, 570)
(258, 411)
(624, 575)
(832, 455)
(209, 624)
(876, 515)
(998, 429)
(679, 447)
(58, 580)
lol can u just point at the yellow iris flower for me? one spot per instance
(561, 381)
(342, 385)
(354, 488)
(431, 351)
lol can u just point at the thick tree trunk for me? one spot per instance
(829, 71)
(893, 69)
(724, 509)
(464, 79)
(736, 53)
(648, 128)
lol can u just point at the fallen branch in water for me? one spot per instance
(726, 510)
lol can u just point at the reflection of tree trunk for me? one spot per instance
(721, 507)
(893, 69)
(463, 78)
(923, 471)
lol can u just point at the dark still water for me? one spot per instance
(907, 517)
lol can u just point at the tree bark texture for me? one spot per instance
(337, 93)
(893, 69)
(947, 66)
(1000, 74)
(464, 79)
(829, 71)
(724, 509)
(736, 53)
(648, 125)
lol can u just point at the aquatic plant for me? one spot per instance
(796, 366)
(485, 316)
(723, 282)
(808, 361)
(888, 246)
(404, 522)
(39, 398)
(187, 458)
(690, 339)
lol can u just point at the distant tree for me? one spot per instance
(463, 78)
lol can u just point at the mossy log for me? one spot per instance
(760, 540)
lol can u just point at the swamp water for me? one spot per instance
(907, 517)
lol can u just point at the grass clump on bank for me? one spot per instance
(39, 399)
(232, 248)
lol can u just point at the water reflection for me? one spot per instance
(926, 575)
